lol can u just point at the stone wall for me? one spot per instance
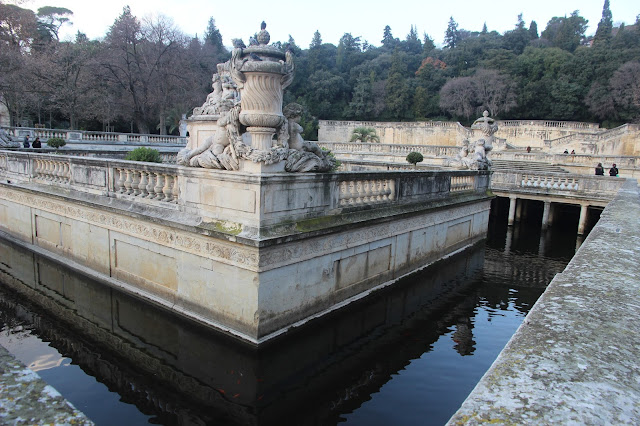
(410, 133)
(249, 254)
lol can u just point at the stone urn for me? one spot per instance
(262, 73)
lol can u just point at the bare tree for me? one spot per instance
(458, 97)
(625, 90)
(494, 92)
(65, 73)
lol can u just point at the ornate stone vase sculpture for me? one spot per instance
(247, 97)
(473, 156)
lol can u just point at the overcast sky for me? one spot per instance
(367, 19)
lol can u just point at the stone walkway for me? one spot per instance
(25, 399)
(574, 360)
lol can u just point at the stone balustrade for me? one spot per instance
(595, 188)
(91, 136)
(548, 123)
(395, 149)
(233, 197)
(146, 184)
(51, 170)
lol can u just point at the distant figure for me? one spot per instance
(573, 151)
(613, 171)
(528, 149)
(599, 170)
(26, 142)
(37, 143)
(566, 151)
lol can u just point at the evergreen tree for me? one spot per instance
(452, 35)
(361, 105)
(317, 40)
(412, 43)
(212, 35)
(427, 44)
(603, 33)
(388, 42)
(484, 28)
(397, 94)
(566, 33)
(533, 31)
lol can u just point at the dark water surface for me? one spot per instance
(407, 355)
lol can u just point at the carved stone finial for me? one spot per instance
(485, 113)
(263, 35)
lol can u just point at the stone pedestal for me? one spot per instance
(199, 128)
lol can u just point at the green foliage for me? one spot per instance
(414, 158)
(147, 155)
(364, 134)
(56, 142)
(337, 164)
(141, 72)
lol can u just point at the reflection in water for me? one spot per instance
(409, 354)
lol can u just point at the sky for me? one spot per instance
(333, 18)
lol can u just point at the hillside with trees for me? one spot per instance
(144, 74)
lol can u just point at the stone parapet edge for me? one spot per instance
(574, 358)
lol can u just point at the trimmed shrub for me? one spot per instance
(148, 155)
(56, 142)
(414, 158)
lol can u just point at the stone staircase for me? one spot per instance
(526, 166)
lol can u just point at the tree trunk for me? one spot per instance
(163, 125)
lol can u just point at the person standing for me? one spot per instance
(37, 143)
(599, 170)
(613, 171)
(26, 142)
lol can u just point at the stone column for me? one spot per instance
(583, 218)
(545, 215)
(552, 212)
(512, 210)
(519, 211)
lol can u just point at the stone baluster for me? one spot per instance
(342, 196)
(157, 189)
(135, 182)
(151, 194)
(120, 182)
(49, 170)
(167, 189)
(56, 175)
(352, 192)
(128, 182)
(391, 188)
(379, 189)
(358, 188)
(176, 190)
(142, 185)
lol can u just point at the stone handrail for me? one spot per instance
(90, 136)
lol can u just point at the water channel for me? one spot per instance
(407, 355)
